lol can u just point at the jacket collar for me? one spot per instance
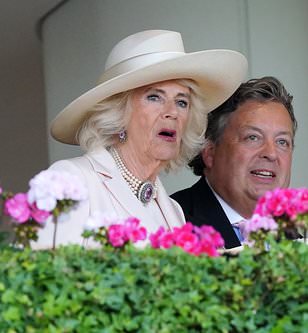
(104, 164)
(207, 205)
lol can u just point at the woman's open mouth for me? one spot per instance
(167, 135)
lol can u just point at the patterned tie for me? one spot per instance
(239, 228)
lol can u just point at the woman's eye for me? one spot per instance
(182, 103)
(153, 97)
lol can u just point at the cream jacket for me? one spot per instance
(108, 193)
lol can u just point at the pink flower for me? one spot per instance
(209, 249)
(187, 241)
(185, 238)
(39, 215)
(131, 223)
(279, 202)
(187, 227)
(162, 239)
(210, 240)
(155, 237)
(191, 239)
(137, 234)
(166, 240)
(17, 207)
(117, 235)
(279, 211)
(302, 201)
(129, 230)
(211, 235)
(258, 222)
(133, 232)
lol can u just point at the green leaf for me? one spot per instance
(13, 313)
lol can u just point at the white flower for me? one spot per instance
(50, 186)
(99, 219)
(45, 203)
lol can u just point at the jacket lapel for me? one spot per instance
(207, 210)
(174, 217)
(104, 164)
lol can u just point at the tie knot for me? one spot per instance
(240, 225)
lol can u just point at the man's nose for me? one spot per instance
(269, 150)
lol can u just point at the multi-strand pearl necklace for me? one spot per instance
(144, 191)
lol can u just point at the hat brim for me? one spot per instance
(217, 72)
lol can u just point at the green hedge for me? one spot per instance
(106, 291)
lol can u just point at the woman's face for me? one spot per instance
(158, 119)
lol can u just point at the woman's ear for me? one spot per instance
(208, 153)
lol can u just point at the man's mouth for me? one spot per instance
(263, 173)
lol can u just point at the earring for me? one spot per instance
(123, 136)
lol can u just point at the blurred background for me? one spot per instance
(23, 126)
(53, 50)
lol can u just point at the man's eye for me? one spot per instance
(252, 137)
(153, 97)
(283, 142)
(182, 103)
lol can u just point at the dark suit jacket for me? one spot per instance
(200, 207)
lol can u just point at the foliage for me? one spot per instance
(73, 290)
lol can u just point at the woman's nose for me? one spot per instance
(170, 110)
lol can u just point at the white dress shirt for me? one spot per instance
(233, 216)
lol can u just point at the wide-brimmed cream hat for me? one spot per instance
(153, 56)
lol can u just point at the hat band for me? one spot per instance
(136, 63)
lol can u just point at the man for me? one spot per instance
(250, 141)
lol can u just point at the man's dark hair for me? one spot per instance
(265, 89)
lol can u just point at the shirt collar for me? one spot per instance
(231, 214)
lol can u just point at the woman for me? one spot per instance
(147, 114)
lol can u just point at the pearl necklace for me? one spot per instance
(144, 191)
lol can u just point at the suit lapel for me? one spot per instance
(207, 210)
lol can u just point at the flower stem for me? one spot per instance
(55, 233)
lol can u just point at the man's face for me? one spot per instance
(253, 156)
